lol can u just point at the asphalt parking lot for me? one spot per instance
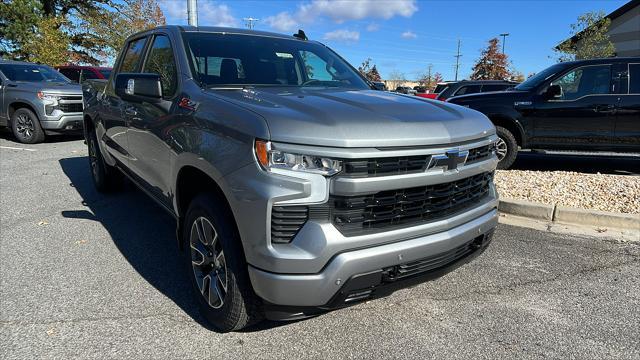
(93, 276)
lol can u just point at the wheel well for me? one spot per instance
(191, 182)
(508, 124)
(19, 105)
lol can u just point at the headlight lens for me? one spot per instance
(45, 96)
(270, 158)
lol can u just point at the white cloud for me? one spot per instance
(373, 27)
(210, 13)
(282, 22)
(409, 35)
(343, 10)
(342, 35)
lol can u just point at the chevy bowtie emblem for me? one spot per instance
(449, 160)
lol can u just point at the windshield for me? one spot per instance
(32, 73)
(439, 88)
(220, 60)
(540, 77)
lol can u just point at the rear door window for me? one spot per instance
(634, 78)
(469, 89)
(87, 75)
(132, 57)
(73, 74)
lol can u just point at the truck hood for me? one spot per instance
(350, 118)
(50, 87)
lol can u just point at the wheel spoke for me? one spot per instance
(201, 254)
(208, 262)
(216, 292)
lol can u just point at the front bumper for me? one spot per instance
(68, 122)
(318, 290)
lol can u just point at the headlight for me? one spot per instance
(270, 159)
(50, 97)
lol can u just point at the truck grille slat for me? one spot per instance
(70, 107)
(406, 207)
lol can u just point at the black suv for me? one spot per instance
(591, 105)
(466, 87)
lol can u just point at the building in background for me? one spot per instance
(624, 31)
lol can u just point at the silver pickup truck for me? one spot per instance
(295, 186)
(36, 100)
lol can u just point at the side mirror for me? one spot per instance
(553, 92)
(138, 87)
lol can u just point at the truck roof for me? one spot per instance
(215, 29)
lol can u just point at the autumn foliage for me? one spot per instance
(492, 64)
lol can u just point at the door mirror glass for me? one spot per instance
(138, 87)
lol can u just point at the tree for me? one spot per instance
(18, 22)
(492, 64)
(589, 39)
(430, 79)
(517, 76)
(48, 45)
(369, 71)
(396, 78)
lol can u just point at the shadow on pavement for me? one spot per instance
(143, 233)
(6, 134)
(588, 163)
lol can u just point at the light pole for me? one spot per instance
(504, 39)
(192, 12)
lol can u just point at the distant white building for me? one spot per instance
(624, 31)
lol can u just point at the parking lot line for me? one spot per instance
(16, 148)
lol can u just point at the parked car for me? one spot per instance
(296, 188)
(405, 90)
(36, 100)
(587, 105)
(466, 87)
(80, 74)
(379, 85)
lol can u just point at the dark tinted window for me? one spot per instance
(583, 81)
(73, 74)
(440, 88)
(88, 74)
(541, 77)
(105, 73)
(161, 61)
(133, 55)
(634, 78)
(31, 73)
(469, 89)
(495, 87)
(227, 59)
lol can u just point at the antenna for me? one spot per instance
(249, 22)
(457, 56)
(301, 35)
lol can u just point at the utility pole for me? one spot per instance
(249, 22)
(192, 12)
(504, 40)
(457, 56)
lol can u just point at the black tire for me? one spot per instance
(238, 305)
(105, 178)
(26, 127)
(507, 148)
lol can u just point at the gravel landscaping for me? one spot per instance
(614, 193)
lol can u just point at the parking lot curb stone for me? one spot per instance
(563, 214)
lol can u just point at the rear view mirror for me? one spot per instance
(554, 92)
(138, 87)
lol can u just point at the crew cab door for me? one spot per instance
(627, 128)
(113, 117)
(582, 116)
(149, 123)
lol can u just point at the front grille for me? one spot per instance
(286, 221)
(401, 165)
(71, 97)
(69, 108)
(385, 210)
(479, 153)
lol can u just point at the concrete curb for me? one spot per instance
(569, 215)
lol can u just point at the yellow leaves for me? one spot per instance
(48, 44)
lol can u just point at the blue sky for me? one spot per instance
(407, 35)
